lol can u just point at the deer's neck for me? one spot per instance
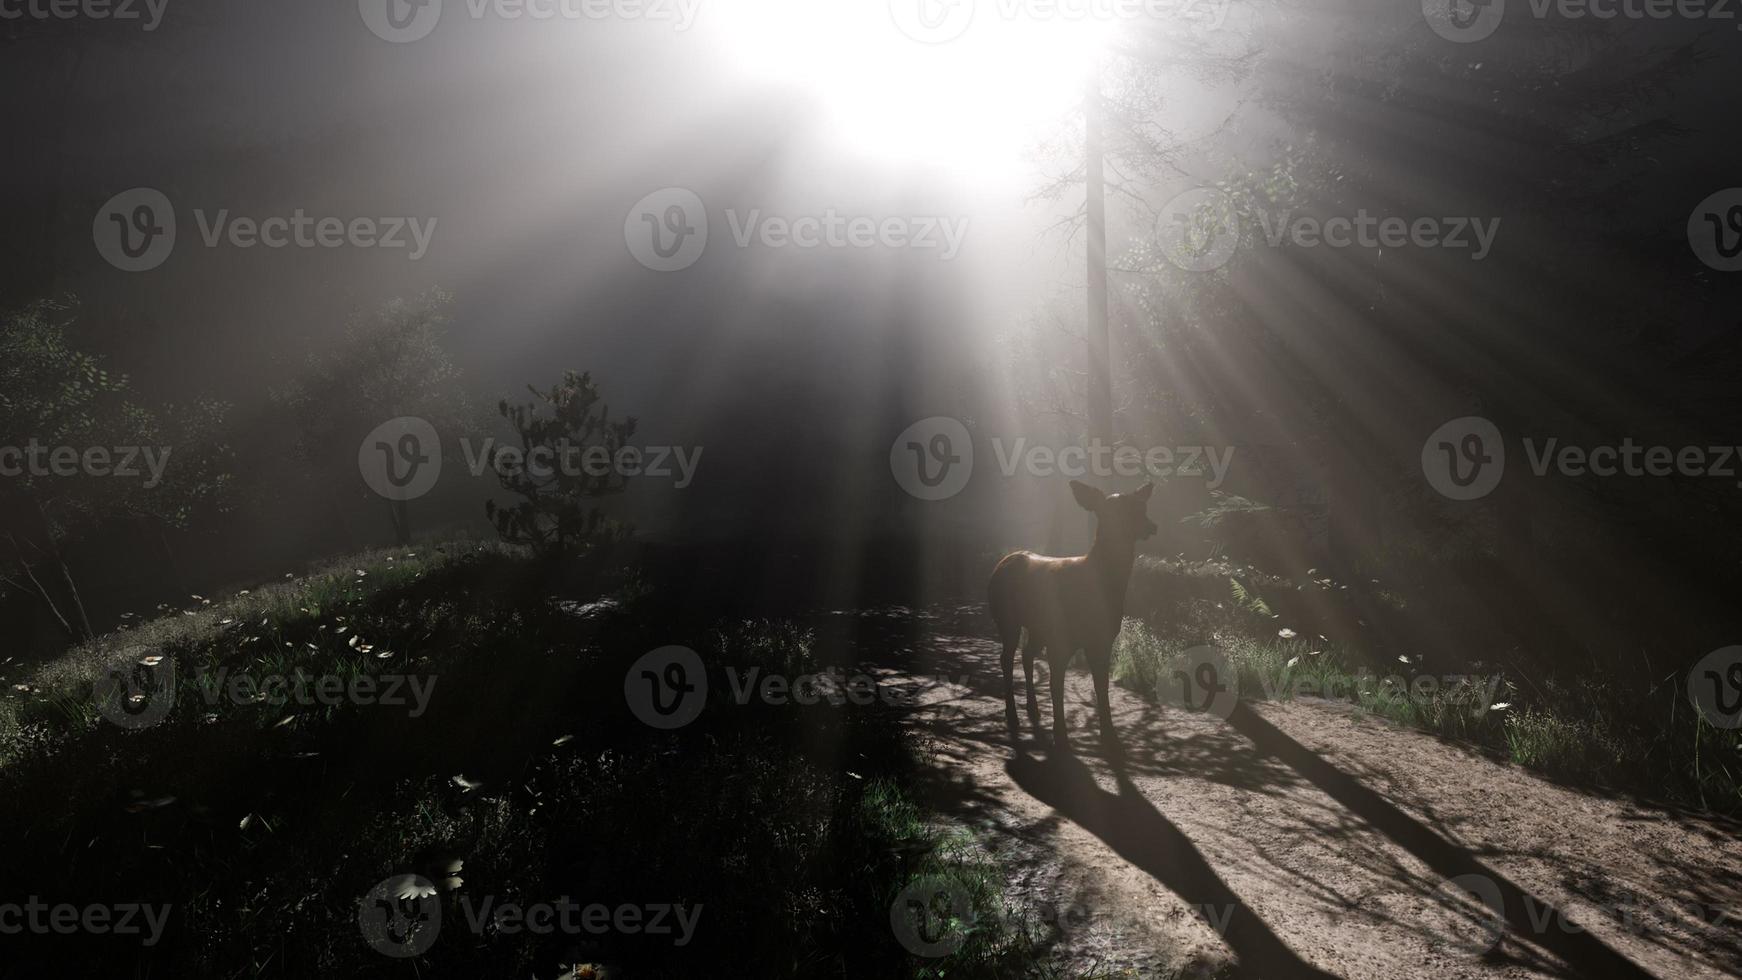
(1111, 562)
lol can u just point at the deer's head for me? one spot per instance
(1118, 516)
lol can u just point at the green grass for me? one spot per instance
(1634, 736)
(1554, 743)
(264, 824)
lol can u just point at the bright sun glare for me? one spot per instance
(971, 104)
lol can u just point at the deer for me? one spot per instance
(1070, 604)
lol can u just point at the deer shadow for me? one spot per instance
(1139, 833)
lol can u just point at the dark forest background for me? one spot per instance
(1592, 320)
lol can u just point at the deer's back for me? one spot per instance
(1054, 597)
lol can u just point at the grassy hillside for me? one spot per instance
(504, 770)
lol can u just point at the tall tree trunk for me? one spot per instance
(1100, 384)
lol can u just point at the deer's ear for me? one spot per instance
(1088, 498)
(1142, 493)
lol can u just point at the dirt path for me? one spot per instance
(1298, 839)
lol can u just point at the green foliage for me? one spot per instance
(1555, 743)
(391, 363)
(48, 388)
(56, 397)
(777, 646)
(567, 458)
(1248, 599)
(1222, 507)
(1600, 729)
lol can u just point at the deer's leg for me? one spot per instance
(1008, 661)
(1057, 664)
(1030, 650)
(1100, 665)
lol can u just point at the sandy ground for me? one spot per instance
(1301, 839)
